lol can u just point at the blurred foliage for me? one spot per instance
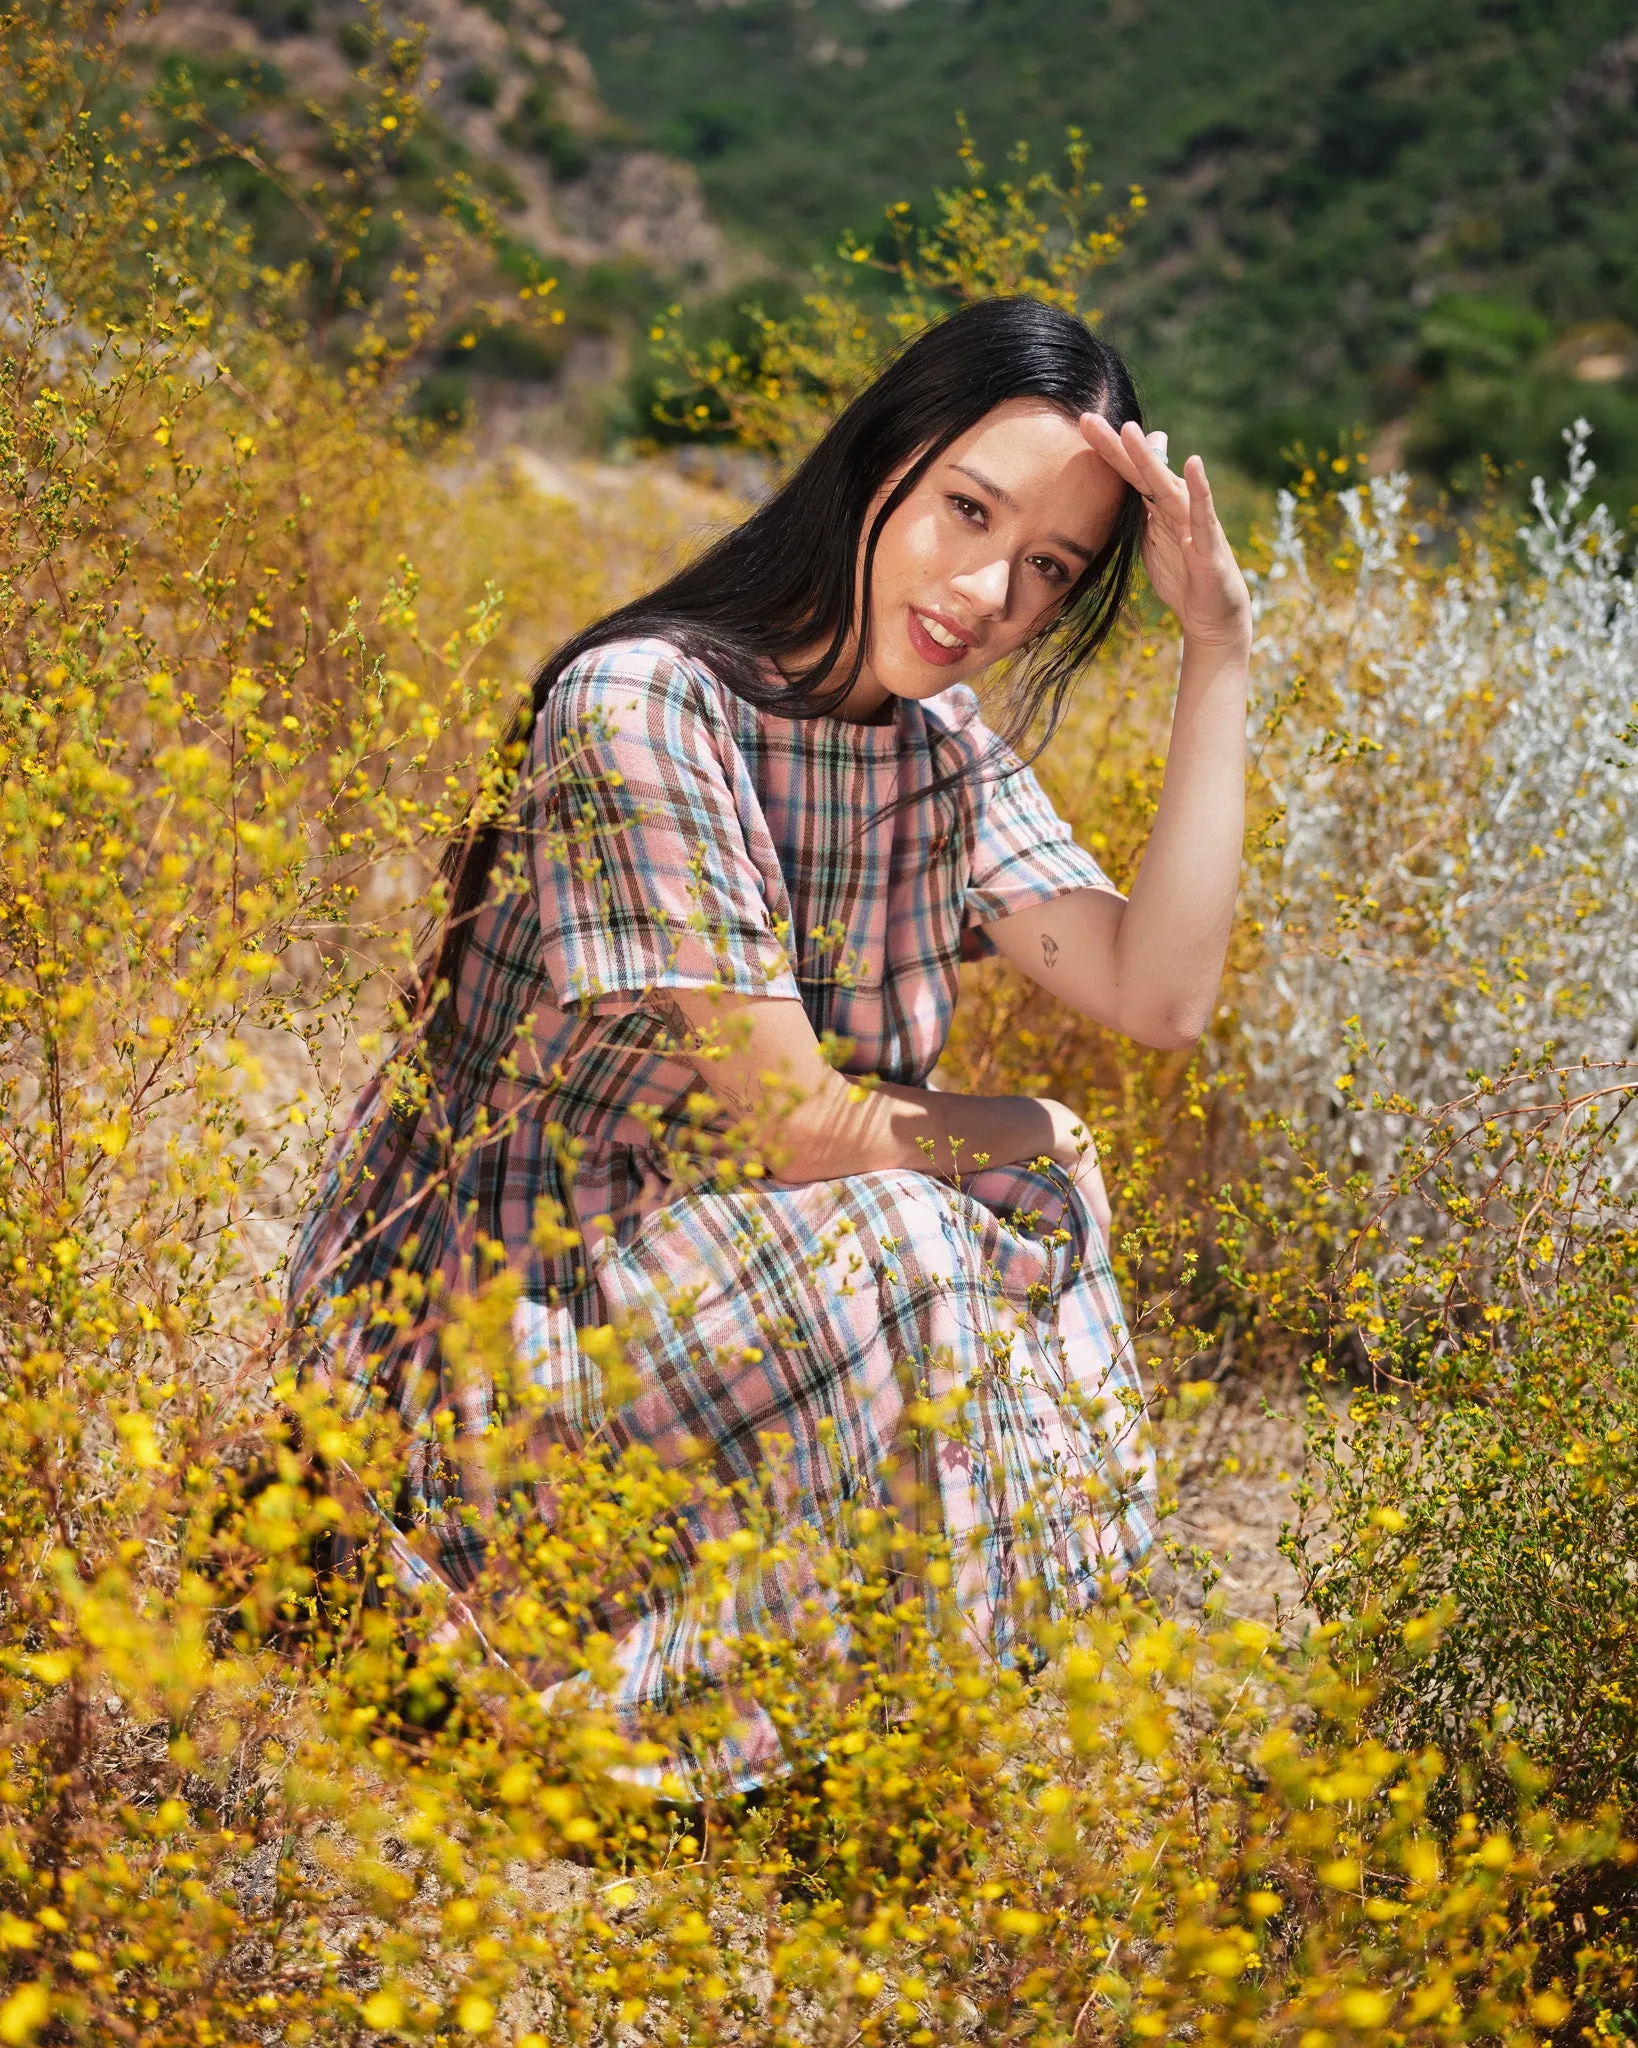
(1497, 382)
(364, 216)
(1338, 241)
(778, 386)
(1322, 177)
(253, 664)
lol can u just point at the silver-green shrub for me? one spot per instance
(1451, 749)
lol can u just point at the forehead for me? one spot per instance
(1035, 455)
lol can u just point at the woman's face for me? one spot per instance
(983, 552)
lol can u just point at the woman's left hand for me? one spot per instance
(1185, 551)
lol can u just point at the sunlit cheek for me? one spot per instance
(924, 549)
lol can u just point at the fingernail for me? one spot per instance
(1157, 441)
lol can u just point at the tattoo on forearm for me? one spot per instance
(1049, 949)
(670, 1013)
(684, 1040)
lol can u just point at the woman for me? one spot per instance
(758, 812)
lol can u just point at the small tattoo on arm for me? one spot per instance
(670, 1014)
(683, 1041)
(1049, 949)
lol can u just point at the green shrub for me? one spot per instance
(1473, 1518)
(355, 41)
(443, 398)
(538, 125)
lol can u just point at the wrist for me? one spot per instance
(1227, 639)
(1214, 663)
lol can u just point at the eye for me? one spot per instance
(1050, 567)
(968, 508)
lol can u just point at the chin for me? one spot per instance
(912, 677)
(922, 684)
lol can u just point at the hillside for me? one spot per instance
(1412, 222)
(1416, 218)
(504, 90)
(509, 111)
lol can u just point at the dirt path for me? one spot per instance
(1236, 1468)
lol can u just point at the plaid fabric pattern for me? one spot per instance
(669, 835)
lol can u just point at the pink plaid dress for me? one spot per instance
(669, 835)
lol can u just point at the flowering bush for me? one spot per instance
(247, 1796)
(1484, 1483)
(1034, 232)
(1451, 752)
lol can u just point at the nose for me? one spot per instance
(986, 589)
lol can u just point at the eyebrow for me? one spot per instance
(1002, 497)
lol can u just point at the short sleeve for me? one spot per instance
(1023, 852)
(651, 864)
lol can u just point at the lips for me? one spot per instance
(933, 650)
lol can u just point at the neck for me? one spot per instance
(866, 703)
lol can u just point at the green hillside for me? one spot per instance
(1421, 218)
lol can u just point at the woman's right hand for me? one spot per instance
(1072, 1149)
(1070, 1143)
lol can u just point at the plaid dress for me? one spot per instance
(668, 835)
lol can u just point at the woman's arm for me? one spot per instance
(1149, 965)
(759, 1060)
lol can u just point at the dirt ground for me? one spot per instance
(1234, 1470)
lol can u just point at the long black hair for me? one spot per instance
(760, 599)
